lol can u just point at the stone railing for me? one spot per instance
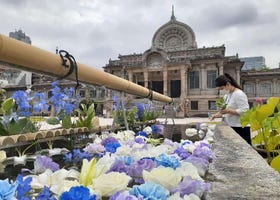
(239, 172)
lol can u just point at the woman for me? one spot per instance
(236, 104)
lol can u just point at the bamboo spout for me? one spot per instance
(34, 59)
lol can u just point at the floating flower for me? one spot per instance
(135, 170)
(191, 132)
(123, 196)
(94, 148)
(182, 153)
(77, 193)
(168, 161)
(7, 190)
(23, 187)
(108, 184)
(88, 171)
(45, 194)
(150, 190)
(188, 186)
(165, 176)
(44, 162)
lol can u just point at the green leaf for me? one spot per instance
(8, 104)
(53, 121)
(66, 122)
(275, 163)
(23, 125)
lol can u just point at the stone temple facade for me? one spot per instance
(175, 66)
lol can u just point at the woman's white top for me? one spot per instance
(238, 101)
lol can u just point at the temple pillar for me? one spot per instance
(183, 82)
(146, 79)
(165, 77)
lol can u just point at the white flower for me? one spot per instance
(165, 176)
(108, 184)
(51, 179)
(188, 169)
(148, 130)
(2, 155)
(21, 160)
(190, 132)
(123, 150)
(125, 135)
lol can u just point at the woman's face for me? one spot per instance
(225, 87)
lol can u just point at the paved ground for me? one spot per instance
(109, 121)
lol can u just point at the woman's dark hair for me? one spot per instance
(222, 80)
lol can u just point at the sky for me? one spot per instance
(94, 31)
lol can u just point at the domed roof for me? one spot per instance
(174, 36)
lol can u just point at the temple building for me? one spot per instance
(175, 66)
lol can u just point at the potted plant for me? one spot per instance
(265, 120)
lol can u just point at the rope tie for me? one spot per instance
(65, 56)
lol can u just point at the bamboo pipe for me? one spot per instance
(34, 59)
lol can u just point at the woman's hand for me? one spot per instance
(216, 115)
(229, 111)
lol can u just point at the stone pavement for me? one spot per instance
(109, 121)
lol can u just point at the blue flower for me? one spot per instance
(112, 147)
(22, 99)
(7, 190)
(142, 133)
(140, 110)
(23, 187)
(45, 194)
(68, 157)
(41, 103)
(77, 193)
(115, 102)
(168, 161)
(150, 190)
(64, 101)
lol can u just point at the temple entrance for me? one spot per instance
(156, 86)
(175, 88)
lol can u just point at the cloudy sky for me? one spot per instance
(94, 31)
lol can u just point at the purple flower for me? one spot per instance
(123, 196)
(188, 186)
(94, 148)
(77, 192)
(182, 153)
(140, 140)
(109, 140)
(135, 169)
(200, 163)
(43, 162)
(168, 161)
(203, 151)
(150, 190)
(118, 166)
